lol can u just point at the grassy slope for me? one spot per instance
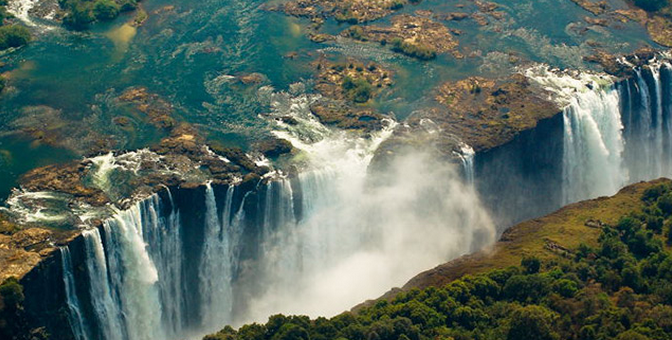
(565, 227)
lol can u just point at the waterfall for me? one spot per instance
(593, 145)
(188, 261)
(216, 270)
(649, 130)
(122, 278)
(466, 155)
(104, 303)
(74, 311)
(616, 133)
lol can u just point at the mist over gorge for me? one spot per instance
(170, 168)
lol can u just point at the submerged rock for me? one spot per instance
(159, 112)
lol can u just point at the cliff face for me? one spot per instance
(522, 179)
(45, 302)
(176, 224)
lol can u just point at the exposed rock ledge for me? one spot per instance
(474, 112)
(180, 160)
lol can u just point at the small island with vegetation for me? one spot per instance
(79, 14)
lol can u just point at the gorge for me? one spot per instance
(198, 166)
(184, 261)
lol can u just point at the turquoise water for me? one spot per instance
(66, 82)
(19, 155)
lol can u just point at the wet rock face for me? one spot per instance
(522, 179)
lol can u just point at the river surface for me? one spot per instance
(65, 82)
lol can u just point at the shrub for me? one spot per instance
(531, 264)
(13, 36)
(421, 52)
(105, 10)
(358, 90)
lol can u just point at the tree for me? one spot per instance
(13, 36)
(105, 10)
(566, 288)
(79, 16)
(532, 323)
(531, 264)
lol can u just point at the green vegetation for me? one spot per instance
(11, 309)
(413, 50)
(619, 287)
(346, 17)
(11, 35)
(356, 32)
(358, 90)
(82, 13)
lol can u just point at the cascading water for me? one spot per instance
(615, 133)
(593, 145)
(593, 142)
(188, 261)
(75, 316)
(648, 132)
(216, 267)
(467, 157)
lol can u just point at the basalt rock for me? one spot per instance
(331, 77)
(613, 66)
(485, 113)
(343, 116)
(418, 31)
(64, 178)
(158, 111)
(352, 11)
(273, 147)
